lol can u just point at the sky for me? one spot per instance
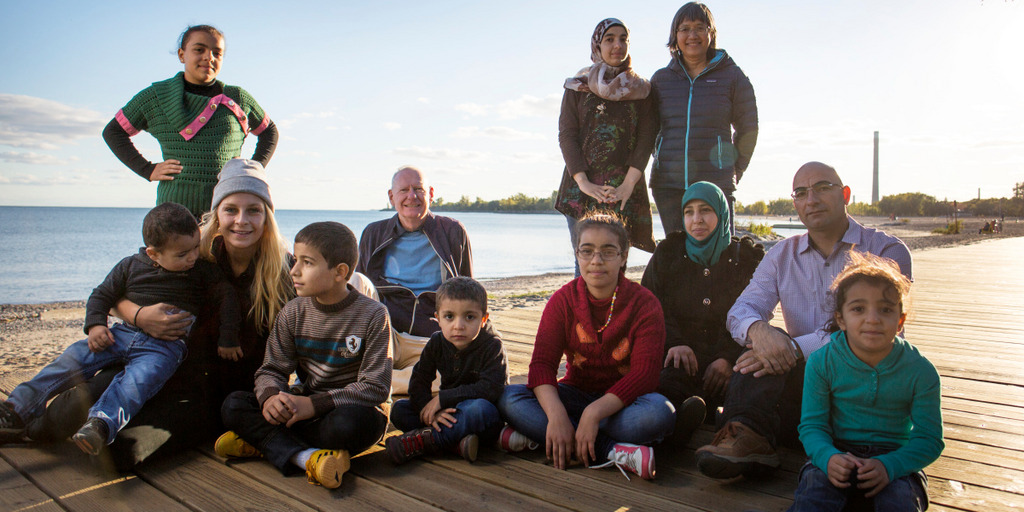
(470, 92)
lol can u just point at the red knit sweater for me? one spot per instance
(624, 360)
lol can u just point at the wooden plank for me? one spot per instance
(17, 493)
(63, 472)
(444, 488)
(203, 484)
(570, 489)
(355, 493)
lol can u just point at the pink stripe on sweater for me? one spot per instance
(207, 114)
(126, 125)
(263, 126)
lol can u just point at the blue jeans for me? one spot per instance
(572, 240)
(646, 421)
(473, 416)
(148, 363)
(816, 493)
(348, 427)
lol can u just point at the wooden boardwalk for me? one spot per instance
(968, 309)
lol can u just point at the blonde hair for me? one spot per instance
(873, 270)
(271, 286)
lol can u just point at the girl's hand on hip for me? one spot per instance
(166, 170)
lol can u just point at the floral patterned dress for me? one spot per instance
(603, 139)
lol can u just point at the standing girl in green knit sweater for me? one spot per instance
(199, 122)
(872, 418)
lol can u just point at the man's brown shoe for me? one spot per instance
(735, 450)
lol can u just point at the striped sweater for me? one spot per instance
(343, 351)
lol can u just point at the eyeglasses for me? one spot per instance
(697, 31)
(820, 188)
(605, 254)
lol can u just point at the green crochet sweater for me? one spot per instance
(202, 133)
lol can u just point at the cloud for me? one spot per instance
(302, 116)
(524, 106)
(77, 177)
(425, 101)
(37, 123)
(495, 132)
(473, 109)
(535, 157)
(390, 125)
(31, 158)
(530, 106)
(439, 154)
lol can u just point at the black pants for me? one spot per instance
(349, 427)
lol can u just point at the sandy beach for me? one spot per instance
(34, 334)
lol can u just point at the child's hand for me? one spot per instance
(558, 441)
(99, 338)
(230, 353)
(586, 436)
(873, 477)
(445, 417)
(682, 356)
(716, 377)
(429, 411)
(301, 407)
(840, 467)
(166, 170)
(276, 410)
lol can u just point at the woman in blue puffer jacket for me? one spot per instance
(708, 116)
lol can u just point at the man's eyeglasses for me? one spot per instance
(820, 188)
(606, 254)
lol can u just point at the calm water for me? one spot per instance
(52, 254)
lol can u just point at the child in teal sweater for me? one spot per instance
(871, 416)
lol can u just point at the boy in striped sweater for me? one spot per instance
(339, 342)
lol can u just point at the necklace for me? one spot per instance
(611, 309)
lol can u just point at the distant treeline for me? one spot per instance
(517, 203)
(909, 204)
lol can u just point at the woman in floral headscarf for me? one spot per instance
(606, 131)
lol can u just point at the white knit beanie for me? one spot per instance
(241, 175)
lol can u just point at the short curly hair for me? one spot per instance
(873, 270)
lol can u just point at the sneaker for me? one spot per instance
(636, 458)
(12, 427)
(689, 416)
(735, 450)
(325, 467)
(468, 447)
(410, 444)
(92, 437)
(230, 446)
(511, 441)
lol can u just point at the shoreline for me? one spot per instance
(34, 334)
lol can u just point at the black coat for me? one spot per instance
(696, 300)
(697, 141)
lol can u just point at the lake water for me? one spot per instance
(53, 254)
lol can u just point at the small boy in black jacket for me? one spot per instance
(469, 355)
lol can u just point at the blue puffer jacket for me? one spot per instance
(697, 119)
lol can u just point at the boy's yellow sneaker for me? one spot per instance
(230, 446)
(325, 467)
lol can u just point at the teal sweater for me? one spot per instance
(203, 133)
(894, 405)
